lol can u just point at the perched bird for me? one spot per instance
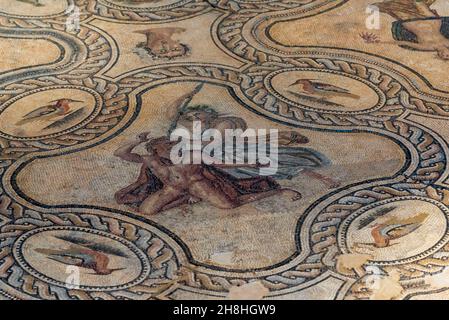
(54, 111)
(321, 90)
(84, 254)
(392, 228)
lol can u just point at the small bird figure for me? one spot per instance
(53, 113)
(84, 254)
(395, 228)
(321, 90)
(56, 108)
(392, 228)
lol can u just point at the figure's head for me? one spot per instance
(160, 147)
(198, 113)
(170, 50)
(188, 115)
(295, 137)
(443, 52)
(163, 43)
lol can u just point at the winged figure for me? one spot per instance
(162, 185)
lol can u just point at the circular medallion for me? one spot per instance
(34, 8)
(48, 112)
(325, 91)
(101, 261)
(396, 232)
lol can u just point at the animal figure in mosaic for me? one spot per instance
(162, 185)
(418, 27)
(160, 43)
(320, 91)
(384, 229)
(84, 254)
(58, 113)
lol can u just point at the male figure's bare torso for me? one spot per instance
(189, 183)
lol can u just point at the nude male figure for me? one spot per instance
(182, 184)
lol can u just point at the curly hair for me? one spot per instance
(199, 107)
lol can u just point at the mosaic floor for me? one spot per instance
(90, 91)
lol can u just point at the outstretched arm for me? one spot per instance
(125, 152)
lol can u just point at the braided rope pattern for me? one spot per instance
(230, 35)
(115, 106)
(323, 230)
(164, 264)
(398, 99)
(16, 219)
(163, 14)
